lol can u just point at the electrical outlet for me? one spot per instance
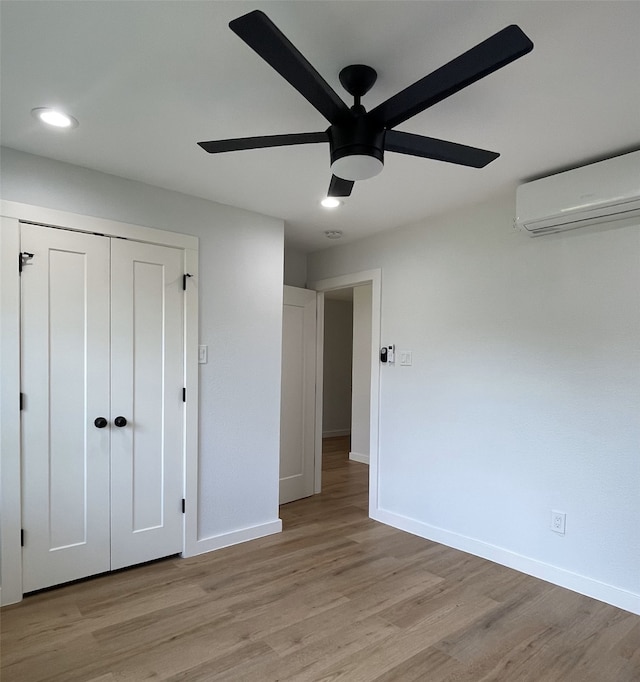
(558, 522)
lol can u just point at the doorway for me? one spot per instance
(347, 368)
(364, 291)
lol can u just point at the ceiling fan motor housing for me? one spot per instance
(357, 147)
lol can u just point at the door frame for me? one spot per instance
(373, 277)
(11, 215)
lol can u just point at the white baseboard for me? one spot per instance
(336, 432)
(357, 457)
(623, 599)
(235, 537)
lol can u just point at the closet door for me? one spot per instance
(102, 425)
(65, 381)
(147, 369)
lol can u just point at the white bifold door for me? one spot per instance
(102, 422)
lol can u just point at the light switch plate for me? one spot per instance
(203, 354)
(406, 358)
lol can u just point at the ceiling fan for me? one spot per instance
(358, 138)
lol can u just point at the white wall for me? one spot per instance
(336, 399)
(361, 373)
(241, 266)
(295, 268)
(523, 396)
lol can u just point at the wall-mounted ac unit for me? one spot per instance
(601, 192)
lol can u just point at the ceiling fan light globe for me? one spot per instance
(356, 167)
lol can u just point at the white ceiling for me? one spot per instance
(147, 80)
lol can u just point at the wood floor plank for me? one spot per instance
(429, 664)
(367, 604)
(629, 646)
(380, 658)
(334, 597)
(307, 661)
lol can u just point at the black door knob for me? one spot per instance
(100, 422)
(120, 421)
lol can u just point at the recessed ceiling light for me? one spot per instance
(54, 117)
(330, 202)
(333, 234)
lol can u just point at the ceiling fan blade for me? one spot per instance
(239, 143)
(339, 187)
(489, 56)
(263, 36)
(440, 150)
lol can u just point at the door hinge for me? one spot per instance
(23, 257)
(184, 280)
(22, 537)
(21, 401)
(184, 395)
(184, 505)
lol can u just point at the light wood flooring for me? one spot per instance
(336, 596)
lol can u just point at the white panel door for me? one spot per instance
(102, 337)
(297, 423)
(147, 333)
(65, 378)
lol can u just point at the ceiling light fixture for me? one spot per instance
(357, 167)
(330, 202)
(333, 234)
(54, 117)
